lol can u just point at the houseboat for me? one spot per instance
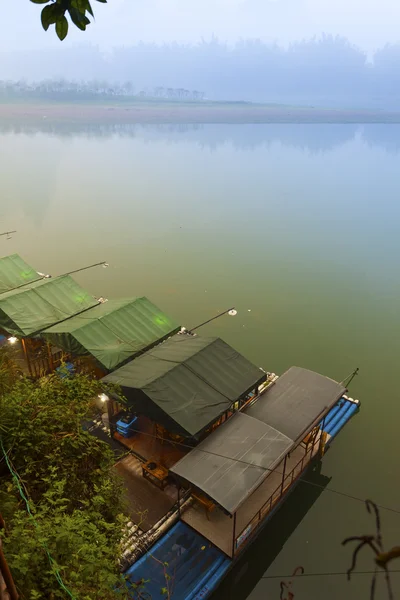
(234, 443)
(209, 445)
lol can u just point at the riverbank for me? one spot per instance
(190, 113)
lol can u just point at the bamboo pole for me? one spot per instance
(212, 319)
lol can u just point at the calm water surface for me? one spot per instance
(298, 228)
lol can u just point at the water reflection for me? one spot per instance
(386, 137)
(314, 139)
(260, 556)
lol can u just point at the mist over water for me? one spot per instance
(328, 71)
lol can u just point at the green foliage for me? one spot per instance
(75, 497)
(8, 371)
(82, 550)
(55, 13)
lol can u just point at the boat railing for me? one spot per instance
(40, 364)
(287, 481)
(44, 360)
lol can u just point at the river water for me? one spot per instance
(297, 226)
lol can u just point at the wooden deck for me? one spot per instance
(217, 527)
(147, 446)
(146, 503)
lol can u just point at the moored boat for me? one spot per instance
(230, 484)
(209, 445)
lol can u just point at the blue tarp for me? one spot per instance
(193, 566)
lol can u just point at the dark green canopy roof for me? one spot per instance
(33, 307)
(15, 272)
(186, 382)
(114, 331)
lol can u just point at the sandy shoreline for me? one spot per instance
(170, 113)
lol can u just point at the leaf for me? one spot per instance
(62, 28)
(49, 15)
(78, 18)
(89, 8)
(164, 591)
(40, 1)
(79, 5)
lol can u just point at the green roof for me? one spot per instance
(33, 307)
(113, 332)
(186, 382)
(14, 272)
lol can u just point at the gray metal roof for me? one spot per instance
(261, 435)
(296, 401)
(220, 464)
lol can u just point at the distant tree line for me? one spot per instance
(327, 71)
(61, 89)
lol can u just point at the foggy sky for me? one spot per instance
(369, 24)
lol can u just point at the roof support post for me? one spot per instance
(110, 413)
(322, 439)
(26, 353)
(234, 535)
(50, 357)
(283, 476)
(315, 440)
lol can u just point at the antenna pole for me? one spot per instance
(350, 377)
(212, 319)
(42, 276)
(99, 264)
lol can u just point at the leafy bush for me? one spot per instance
(70, 535)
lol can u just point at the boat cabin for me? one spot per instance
(179, 391)
(251, 461)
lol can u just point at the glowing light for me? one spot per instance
(12, 339)
(103, 397)
(159, 320)
(232, 312)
